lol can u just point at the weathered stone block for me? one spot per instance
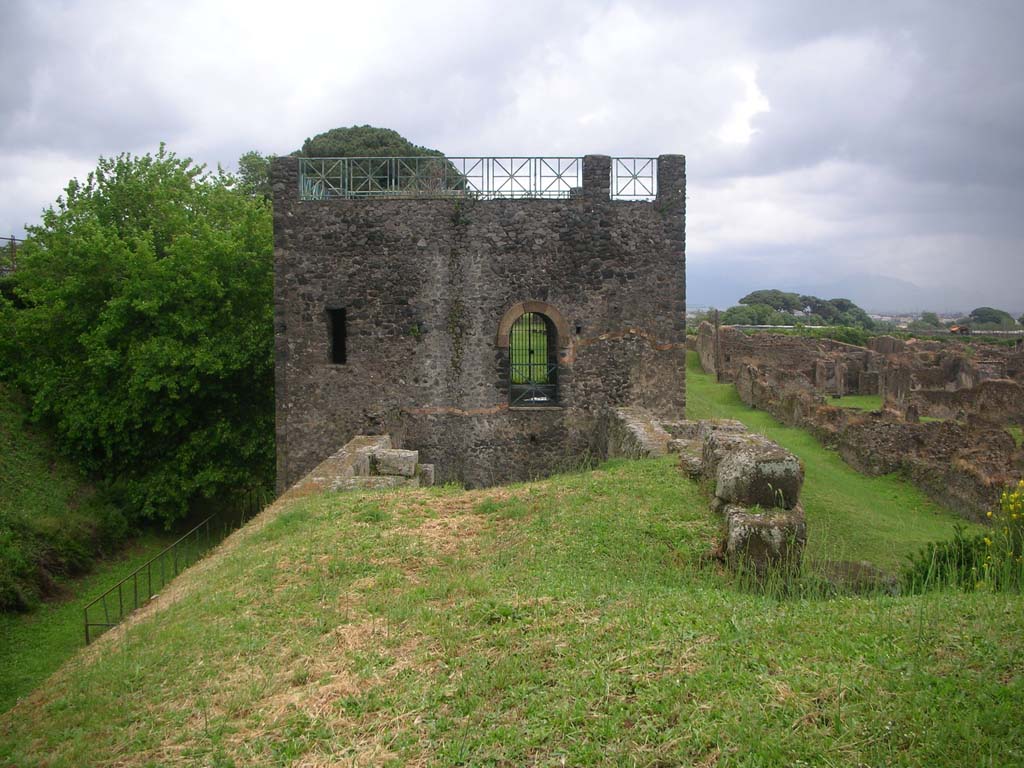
(765, 539)
(635, 433)
(691, 463)
(720, 443)
(683, 430)
(376, 483)
(425, 473)
(394, 461)
(707, 426)
(760, 474)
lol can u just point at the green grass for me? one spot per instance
(861, 402)
(572, 621)
(33, 645)
(849, 516)
(565, 622)
(1017, 432)
(51, 522)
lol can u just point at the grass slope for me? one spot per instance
(33, 645)
(558, 623)
(860, 402)
(51, 523)
(849, 516)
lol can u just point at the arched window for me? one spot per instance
(533, 361)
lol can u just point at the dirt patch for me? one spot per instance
(446, 535)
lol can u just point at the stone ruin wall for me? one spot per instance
(963, 466)
(425, 284)
(831, 366)
(954, 381)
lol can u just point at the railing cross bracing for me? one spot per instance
(482, 178)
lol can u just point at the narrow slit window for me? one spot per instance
(336, 335)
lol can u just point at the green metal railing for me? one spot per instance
(482, 178)
(145, 582)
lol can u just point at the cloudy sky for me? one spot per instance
(871, 150)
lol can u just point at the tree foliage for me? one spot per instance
(145, 335)
(991, 317)
(782, 301)
(362, 141)
(253, 177)
(774, 307)
(755, 314)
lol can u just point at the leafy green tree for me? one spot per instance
(754, 314)
(822, 308)
(362, 141)
(368, 141)
(780, 300)
(146, 331)
(253, 177)
(991, 316)
(931, 319)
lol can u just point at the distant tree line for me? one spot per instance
(775, 307)
(979, 319)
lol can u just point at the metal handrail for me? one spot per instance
(178, 561)
(145, 582)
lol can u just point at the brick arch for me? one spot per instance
(521, 308)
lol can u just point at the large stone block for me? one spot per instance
(426, 474)
(707, 426)
(720, 443)
(765, 539)
(760, 473)
(394, 461)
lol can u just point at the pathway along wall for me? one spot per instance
(425, 285)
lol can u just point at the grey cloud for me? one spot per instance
(891, 147)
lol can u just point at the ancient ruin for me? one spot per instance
(945, 409)
(487, 319)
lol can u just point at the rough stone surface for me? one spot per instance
(834, 368)
(718, 444)
(351, 460)
(760, 474)
(634, 433)
(394, 461)
(426, 475)
(691, 463)
(962, 464)
(375, 482)
(683, 430)
(766, 539)
(426, 284)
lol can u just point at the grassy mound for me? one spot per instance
(52, 524)
(559, 622)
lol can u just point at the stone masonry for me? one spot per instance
(429, 288)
